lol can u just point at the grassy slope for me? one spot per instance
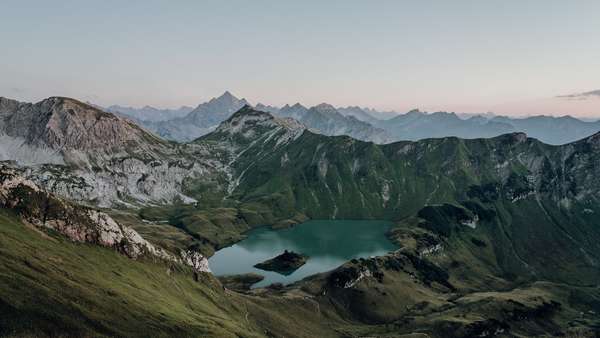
(339, 173)
(49, 284)
(405, 298)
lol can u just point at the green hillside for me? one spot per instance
(517, 195)
(50, 286)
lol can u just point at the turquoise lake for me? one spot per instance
(328, 244)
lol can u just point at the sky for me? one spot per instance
(508, 57)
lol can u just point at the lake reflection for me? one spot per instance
(327, 243)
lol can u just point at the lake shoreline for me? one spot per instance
(318, 239)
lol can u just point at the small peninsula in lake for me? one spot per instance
(285, 264)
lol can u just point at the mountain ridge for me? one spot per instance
(371, 125)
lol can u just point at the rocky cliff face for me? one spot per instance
(44, 210)
(65, 125)
(247, 137)
(250, 124)
(83, 153)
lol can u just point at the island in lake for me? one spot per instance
(285, 264)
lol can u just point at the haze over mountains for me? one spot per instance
(365, 124)
(148, 113)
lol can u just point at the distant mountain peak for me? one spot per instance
(250, 123)
(323, 106)
(297, 105)
(61, 127)
(445, 114)
(59, 106)
(297, 111)
(227, 96)
(267, 108)
(213, 112)
(359, 113)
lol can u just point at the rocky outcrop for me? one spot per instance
(250, 124)
(196, 260)
(285, 263)
(248, 136)
(128, 181)
(82, 153)
(200, 121)
(41, 209)
(63, 125)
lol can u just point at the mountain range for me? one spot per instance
(204, 118)
(186, 124)
(148, 113)
(497, 235)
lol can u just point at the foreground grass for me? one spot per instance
(49, 284)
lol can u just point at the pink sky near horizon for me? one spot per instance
(587, 107)
(505, 57)
(556, 106)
